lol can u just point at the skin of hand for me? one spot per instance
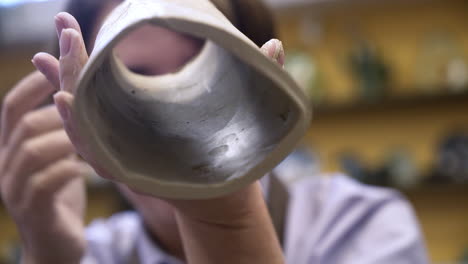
(239, 221)
(40, 176)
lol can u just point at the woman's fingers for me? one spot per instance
(44, 185)
(48, 65)
(32, 156)
(274, 49)
(31, 125)
(24, 97)
(64, 20)
(73, 57)
(72, 52)
(65, 72)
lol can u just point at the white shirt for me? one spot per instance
(330, 220)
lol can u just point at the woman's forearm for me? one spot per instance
(234, 229)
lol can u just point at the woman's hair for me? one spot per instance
(251, 17)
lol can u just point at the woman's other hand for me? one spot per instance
(40, 181)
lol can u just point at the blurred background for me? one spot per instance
(389, 83)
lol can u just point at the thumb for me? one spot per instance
(64, 103)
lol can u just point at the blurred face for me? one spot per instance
(153, 50)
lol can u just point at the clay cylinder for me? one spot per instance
(222, 121)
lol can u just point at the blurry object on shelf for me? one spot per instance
(310, 31)
(289, 3)
(352, 166)
(457, 75)
(398, 170)
(370, 71)
(441, 64)
(302, 68)
(464, 257)
(380, 176)
(301, 163)
(452, 160)
(401, 168)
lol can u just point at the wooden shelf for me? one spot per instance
(435, 189)
(394, 103)
(317, 4)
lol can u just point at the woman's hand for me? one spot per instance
(40, 181)
(235, 228)
(231, 229)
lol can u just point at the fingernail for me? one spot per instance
(273, 49)
(278, 48)
(34, 63)
(268, 47)
(281, 54)
(38, 66)
(65, 42)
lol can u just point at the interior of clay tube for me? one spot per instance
(209, 122)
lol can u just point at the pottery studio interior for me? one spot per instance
(354, 126)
